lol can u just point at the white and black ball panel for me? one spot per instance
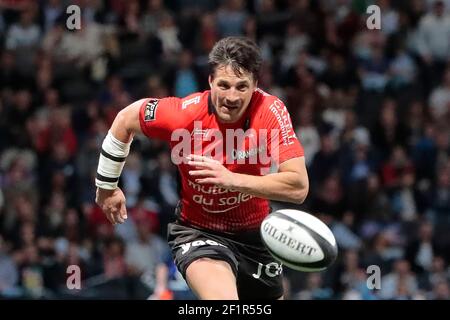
(287, 242)
(299, 240)
(315, 223)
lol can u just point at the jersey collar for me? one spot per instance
(246, 123)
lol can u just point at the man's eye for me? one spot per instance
(242, 88)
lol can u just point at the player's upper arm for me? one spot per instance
(126, 124)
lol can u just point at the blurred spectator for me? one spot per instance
(388, 131)
(389, 23)
(114, 264)
(17, 116)
(147, 252)
(352, 281)
(307, 132)
(152, 16)
(434, 28)
(81, 47)
(141, 211)
(421, 251)
(402, 69)
(10, 77)
(440, 98)
(440, 199)
(208, 34)
(382, 251)
(8, 272)
(231, 18)
(131, 178)
(373, 70)
(31, 272)
(329, 198)
(170, 283)
(406, 200)
(314, 289)
(344, 232)
(325, 160)
(399, 284)
(415, 122)
(130, 20)
(441, 291)
(51, 12)
(59, 130)
(295, 42)
(168, 35)
(22, 211)
(186, 77)
(425, 153)
(436, 274)
(339, 74)
(24, 35)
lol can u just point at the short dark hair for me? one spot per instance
(241, 53)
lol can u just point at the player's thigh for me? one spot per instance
(206, 261)
(212, 279)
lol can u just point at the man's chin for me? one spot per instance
(228, 116)
(225, 118)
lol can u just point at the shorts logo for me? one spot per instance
(271, 270)
(150, 110)
(198, 243)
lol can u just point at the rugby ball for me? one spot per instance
(299, 240)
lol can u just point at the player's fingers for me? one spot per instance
(123, 211)
(196, 157)
(110, 217)
(207, 181)
(199, 164)
(201, 173)
(113, 212)
(117, 216)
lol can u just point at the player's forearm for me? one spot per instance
(281, 186)
(116, 146)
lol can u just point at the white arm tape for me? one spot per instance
(111, 162)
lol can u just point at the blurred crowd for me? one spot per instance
(371, 108)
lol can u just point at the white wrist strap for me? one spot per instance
(111, 162)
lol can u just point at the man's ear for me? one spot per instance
(256, 84)
(210, 80)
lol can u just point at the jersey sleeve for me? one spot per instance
(283, 142)
(160, 117)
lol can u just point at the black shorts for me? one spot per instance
(258, 274)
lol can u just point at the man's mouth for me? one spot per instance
(230, 107)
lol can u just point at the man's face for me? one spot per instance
(230, 93)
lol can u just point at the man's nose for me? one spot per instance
(232, 98)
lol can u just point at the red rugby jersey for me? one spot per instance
(190, 126)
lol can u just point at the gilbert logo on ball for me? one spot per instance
(299, 240)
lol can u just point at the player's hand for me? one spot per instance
(210, 171)
(112, 202)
